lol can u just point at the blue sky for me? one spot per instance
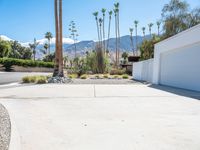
(25, 19)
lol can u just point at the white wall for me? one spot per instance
(143, 70)
(176, 61)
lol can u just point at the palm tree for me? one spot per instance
(100, 30)
(49, 36)
(143, 31)
(131, 38)
(33, 47)
(110, 17)
(116, 41)
(150, 28)
(158, 25)
(136, 40)
(118, 29)
(58, 69)
(104, 43)
(46, 47)
(97, 23)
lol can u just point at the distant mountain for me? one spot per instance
(83, 46)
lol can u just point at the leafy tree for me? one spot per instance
(49, 58)
(33, 47)
(174, 16)
(125, 57)
(147, 47)
(5, 49)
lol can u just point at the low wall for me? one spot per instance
(143, 70)
(29, 69)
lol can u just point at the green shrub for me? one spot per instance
(41, 80)
(125, 76)
(84, 76)
(105, 76)
(73, 76)
(97, 76)
(26, 79)
(35, 79)
(9, 62)
(116, 77)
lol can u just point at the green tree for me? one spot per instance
(34, 47)
(125, 57)
(150, 28)
(158, 23)
(143, 31)
(5, 49)
(49, 36)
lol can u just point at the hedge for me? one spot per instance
(9, 62)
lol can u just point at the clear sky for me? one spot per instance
(25, 19)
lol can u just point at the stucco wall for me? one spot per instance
(176, 61)
(143, 70)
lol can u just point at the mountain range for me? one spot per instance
(84, 46)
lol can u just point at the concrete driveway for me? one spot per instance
(102, 117)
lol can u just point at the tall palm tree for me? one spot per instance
(100, 31)
(33, 47)
(103, 25)
(158, 26)
(95, 14)
(150, 28)
(116, 41)
(116, 5)
(143, 31)
(110, 17)
(58, 69)
(136, 27)
(49, 36)
(131, 38)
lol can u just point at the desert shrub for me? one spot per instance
(73, 76)
(125, 76)
(117, 72)
(41, 80)
(116, 77)
(35, 79)
(105, 76)
(84, 76)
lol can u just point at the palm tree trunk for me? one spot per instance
(116, 33)
(56, 67)
(98, 29)
(132, 45)
(100, 36)
(49, 47)
(108, 32)
(118, 30)
(104, 42)
(61, 72)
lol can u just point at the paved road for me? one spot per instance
(102, 117)
(10, 77)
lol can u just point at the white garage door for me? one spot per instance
(181, 68)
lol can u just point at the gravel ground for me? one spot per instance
(5, 128)
(104, 81)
